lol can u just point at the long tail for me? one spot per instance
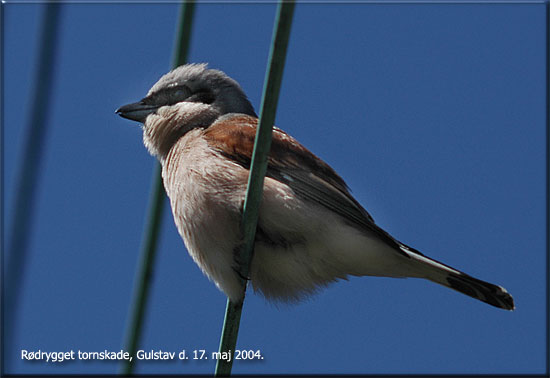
(445, 275)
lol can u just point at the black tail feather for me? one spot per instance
(450, 277)
(484, 291)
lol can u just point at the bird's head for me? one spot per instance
(187, 97)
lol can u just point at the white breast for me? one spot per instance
(304, 247)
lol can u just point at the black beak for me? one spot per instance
(137, 111)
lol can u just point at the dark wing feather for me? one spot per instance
(293, 164)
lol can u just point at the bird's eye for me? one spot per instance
(168, 96)
(177, 93)
(205, 96)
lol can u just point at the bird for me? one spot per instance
(311, 231)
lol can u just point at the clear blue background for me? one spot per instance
(433, 114)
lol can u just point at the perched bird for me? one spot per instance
(311, 231)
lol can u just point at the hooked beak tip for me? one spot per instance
(136, 112)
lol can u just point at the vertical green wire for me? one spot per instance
(156, 207)
(547, 40)
(28, 174)
(258, 167)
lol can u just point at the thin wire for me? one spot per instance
(547, 40)
(154, 217)
(348, 2)
(258, 167)
(29, 175)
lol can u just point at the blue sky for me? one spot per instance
(434, 114)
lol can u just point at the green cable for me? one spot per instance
(262, 145)
(28, 175)
(154, 217)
